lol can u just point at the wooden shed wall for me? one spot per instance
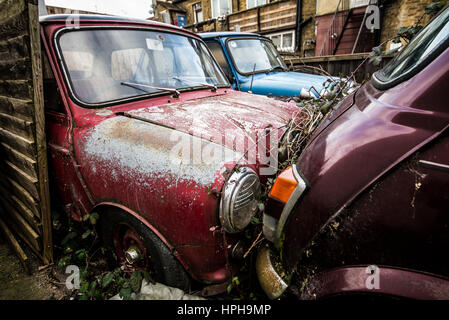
(24, 190)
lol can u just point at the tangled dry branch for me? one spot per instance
(309, 117)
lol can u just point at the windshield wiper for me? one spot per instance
(208, 85)
(134, 85)
(276, 68)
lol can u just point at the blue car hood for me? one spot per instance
(284, 83)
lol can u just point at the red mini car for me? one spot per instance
(366, 208)
(144, 129)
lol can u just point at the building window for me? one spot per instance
(221, 8)
(165, 16)
(284, 41)
(358, 3)
(255, 3)
(197, 12)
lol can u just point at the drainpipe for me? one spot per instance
(298, 25)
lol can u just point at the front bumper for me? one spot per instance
(269, 279)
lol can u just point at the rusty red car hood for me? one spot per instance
(234, 115)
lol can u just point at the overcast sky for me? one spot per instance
(130, 8)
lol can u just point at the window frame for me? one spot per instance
(213, 7)
(358, 3)
(257, 5)
(162, 13)
(196, 10)
(282, 49)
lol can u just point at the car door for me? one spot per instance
(66, 189)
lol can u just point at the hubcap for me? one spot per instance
(133, 255)
(130, 248)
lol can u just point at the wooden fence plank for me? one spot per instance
(14, 26)
(11, 8)
(26, 163)
(19, 89)
(15, 47)
(235, 19)
(22, 209)
(15, 69)
(21, 226)
(13, 188)
(16, 246)
(18, 107)
(26, 181)
(21, 144)
(16, 125)
(41, 140)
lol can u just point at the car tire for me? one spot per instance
(157, 258)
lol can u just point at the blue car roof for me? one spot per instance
(209, 35)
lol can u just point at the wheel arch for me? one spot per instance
(393, 281)
(103, 206)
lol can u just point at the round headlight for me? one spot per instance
(240, 200)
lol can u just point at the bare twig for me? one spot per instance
(255, 242)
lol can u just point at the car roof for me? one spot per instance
(106, 18)
(209, 35)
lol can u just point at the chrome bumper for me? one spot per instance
(270, 281)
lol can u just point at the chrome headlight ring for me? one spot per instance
(240, 198)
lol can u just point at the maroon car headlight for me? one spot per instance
(239, 204)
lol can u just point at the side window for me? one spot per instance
(52, 98)
(217, 52)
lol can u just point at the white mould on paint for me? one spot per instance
(145, 150)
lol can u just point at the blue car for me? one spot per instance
(252, 63)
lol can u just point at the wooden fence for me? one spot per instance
(24, 190)
(338, 65)
(270, 17)
(275, 16)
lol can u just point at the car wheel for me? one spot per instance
(132, 243)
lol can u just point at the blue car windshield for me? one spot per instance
(254, 55)
(105, 66)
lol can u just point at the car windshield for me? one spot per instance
(419, 48)
(112, 65)
(255, 55)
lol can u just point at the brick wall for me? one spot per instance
(402, 13)
(308, 30)
(238, 5)
(205, 4)
(397, 13)
(59, 10)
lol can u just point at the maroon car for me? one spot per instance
(144, 129)
(366, 208)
